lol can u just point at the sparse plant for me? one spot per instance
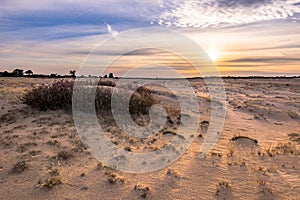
(127, 148)
(172, 173)
(53, 142)
(230, 152)
(64, 155)
(295, 137)
(143, 189)
(8, 118)
(106, 82)
(20, 167)
(51, 182)
(54, 172)
(79, 146)
(114, 178)
(224, 184)
(259, 116)
(100, 165)
(283, 149)
(263, 186)
(216, 154)
(293, 114)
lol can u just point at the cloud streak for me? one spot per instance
(111, 31)
(194, 13)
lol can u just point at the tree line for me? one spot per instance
(29, 73)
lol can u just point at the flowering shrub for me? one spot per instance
(58, 95)
(107, 82)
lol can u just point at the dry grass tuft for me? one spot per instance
(8, 118)
(293, 114)
(224, 184)
(114, 178)
(142, 189)
(64, 155)
(20, 167)
(51, 182)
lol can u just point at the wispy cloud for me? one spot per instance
(111, 31)
(194, 13)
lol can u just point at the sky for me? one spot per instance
(241, 37)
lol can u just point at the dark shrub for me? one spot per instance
(20, 167)
(107, 82)
(140, 102)
(57, 95)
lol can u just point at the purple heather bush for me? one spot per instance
(55, 96)
(58, 95)
(107, 82)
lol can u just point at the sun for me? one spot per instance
(214, 54)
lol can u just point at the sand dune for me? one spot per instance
(256, 157)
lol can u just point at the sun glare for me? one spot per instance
(214, 54)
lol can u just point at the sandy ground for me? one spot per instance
(256, 157)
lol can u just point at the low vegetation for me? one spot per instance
(20, 167)
(64, 155)
(50, 182)
(115, 178)
(58, 95)
(142, 189)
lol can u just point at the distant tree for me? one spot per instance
(18, 72)
(53, 75)
(111, 75)
(105, 76)
(28, 72)
(5, 73)
(72, 72)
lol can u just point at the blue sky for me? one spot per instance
(243, 37)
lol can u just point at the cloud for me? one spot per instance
(234, 3)
(194, 13)
(111, 31)
(135, 13)
(265, 60)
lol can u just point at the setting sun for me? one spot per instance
(214, 54)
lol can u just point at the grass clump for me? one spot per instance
(293, 114)
(20, 167)
(114, 178)
(64, 155)
(295, 137)
(142, 189)
(284, 149)
(51, 182)
(224, 184)
(107, 82)
(7, 118)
